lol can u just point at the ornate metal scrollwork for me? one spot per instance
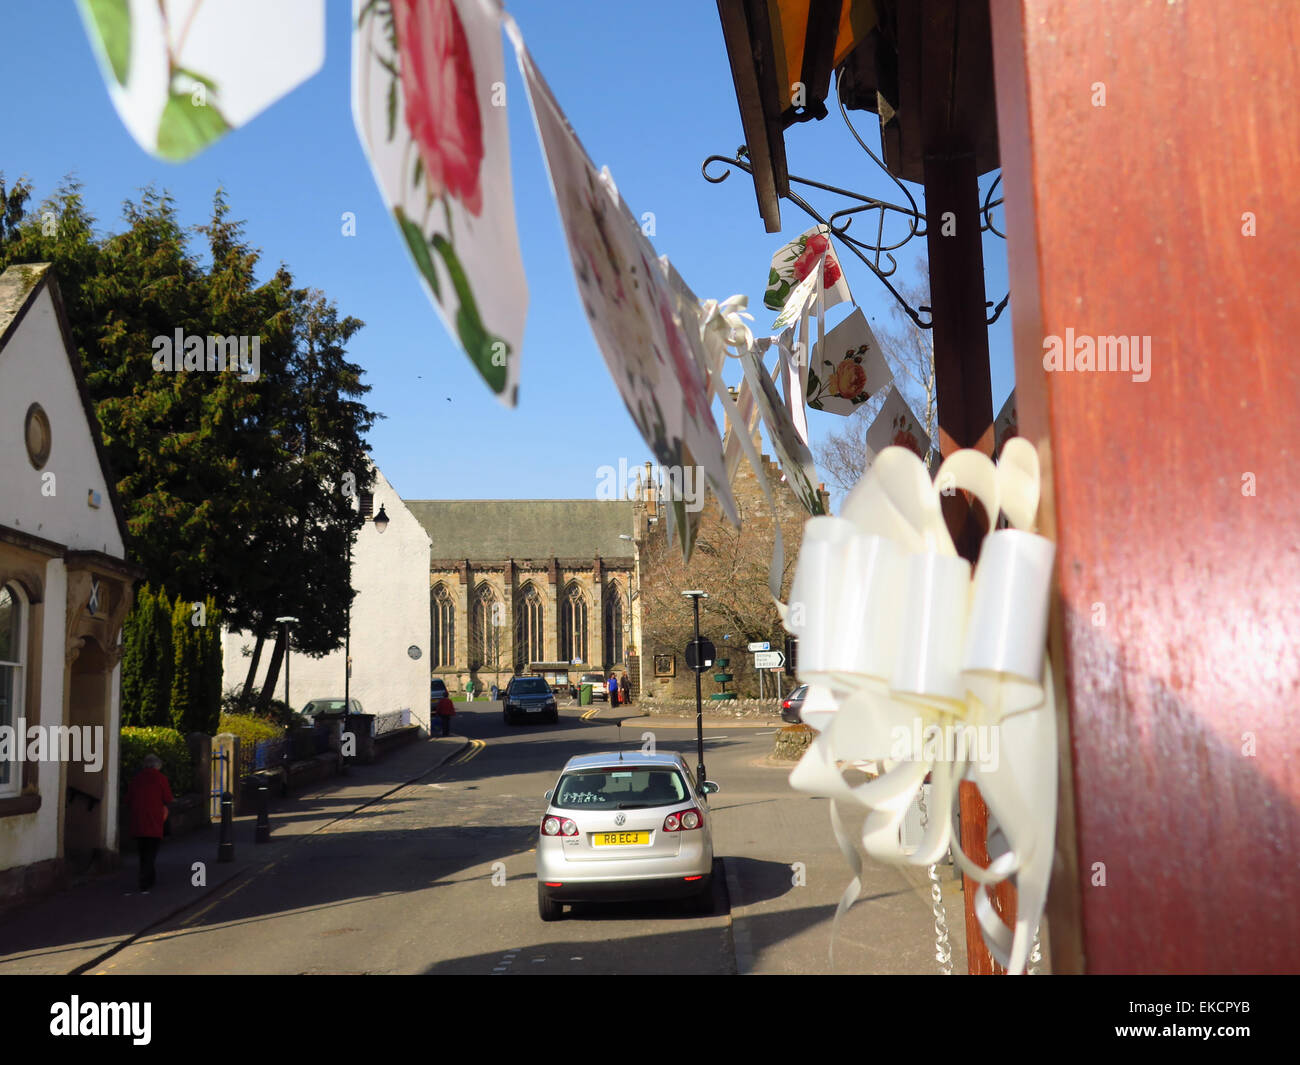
(875, 254)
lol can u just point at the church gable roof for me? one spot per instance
(498, 529)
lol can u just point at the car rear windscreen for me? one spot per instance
(620, 789)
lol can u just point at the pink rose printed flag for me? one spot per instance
(184, 73)
(896, 425)
(793, 454)
(796, 261)
(847, 368)
(630, 309)
(428, 100)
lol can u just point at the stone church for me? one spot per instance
(514, 583)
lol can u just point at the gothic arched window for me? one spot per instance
(573, 626)
(529, 614)
(613, 628)
(486, 619)
(442, 628)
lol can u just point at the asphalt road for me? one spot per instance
(437, 877)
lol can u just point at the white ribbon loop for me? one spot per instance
(936, 671)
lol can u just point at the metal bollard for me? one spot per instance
(263, 833)
(226, 845)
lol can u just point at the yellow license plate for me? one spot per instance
(620, 839)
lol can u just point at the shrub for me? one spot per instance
(249, 729)
(167, 744)
(147, 660)
(277, 711)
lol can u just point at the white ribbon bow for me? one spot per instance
(925, 671)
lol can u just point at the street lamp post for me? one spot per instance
(635, 631)
(695, 598)
(286, 622)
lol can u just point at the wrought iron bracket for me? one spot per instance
(869, 252)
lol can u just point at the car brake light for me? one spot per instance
(683, 820)
(550, 826)
(568, 828)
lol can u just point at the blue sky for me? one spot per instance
(648, 89)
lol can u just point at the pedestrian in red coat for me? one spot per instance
(446, 709)
(147, 797)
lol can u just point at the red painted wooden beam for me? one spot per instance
(1150, 154)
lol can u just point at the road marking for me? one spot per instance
(223, 896)
(589, 714)
(475, 747)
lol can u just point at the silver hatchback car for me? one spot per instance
(625, 826)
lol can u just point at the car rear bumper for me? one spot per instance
(694, 858)
(656, 887)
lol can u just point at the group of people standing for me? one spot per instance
(620, 691)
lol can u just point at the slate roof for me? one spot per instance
(498, 529)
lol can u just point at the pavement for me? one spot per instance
(783, 872)
(95, 915)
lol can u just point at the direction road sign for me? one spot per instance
(761, 645)
(768, 660)
(699, 654)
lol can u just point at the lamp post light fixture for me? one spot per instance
(286, 622)
(695, 597)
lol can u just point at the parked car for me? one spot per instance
(597, 682)
(438, 690)
(792, 705)
(328, 706)
(529, 697)
(625, 826)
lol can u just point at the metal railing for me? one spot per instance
(392, 721)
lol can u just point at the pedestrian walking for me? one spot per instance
(147, 797)
(446, 709)
(613, 690)
(625, 687)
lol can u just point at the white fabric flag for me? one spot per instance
(847, 368)
(895, 424)
(631, 310)
(182, 74)
(428, 101)
(793, 454)
(797, 260)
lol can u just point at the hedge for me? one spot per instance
(167, 744)
(249, 729)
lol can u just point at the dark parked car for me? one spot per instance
(438, 690)
(529, 697)
(792, 705)
(326, 707)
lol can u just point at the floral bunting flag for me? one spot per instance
(796, 261)
(428, 100)
(182, 74)
(895, 424)
(687, 307)
(630, 309)
(793, 454)
(847, 367)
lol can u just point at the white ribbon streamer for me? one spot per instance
(932, 671)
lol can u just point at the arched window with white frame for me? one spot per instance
(13, 661)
